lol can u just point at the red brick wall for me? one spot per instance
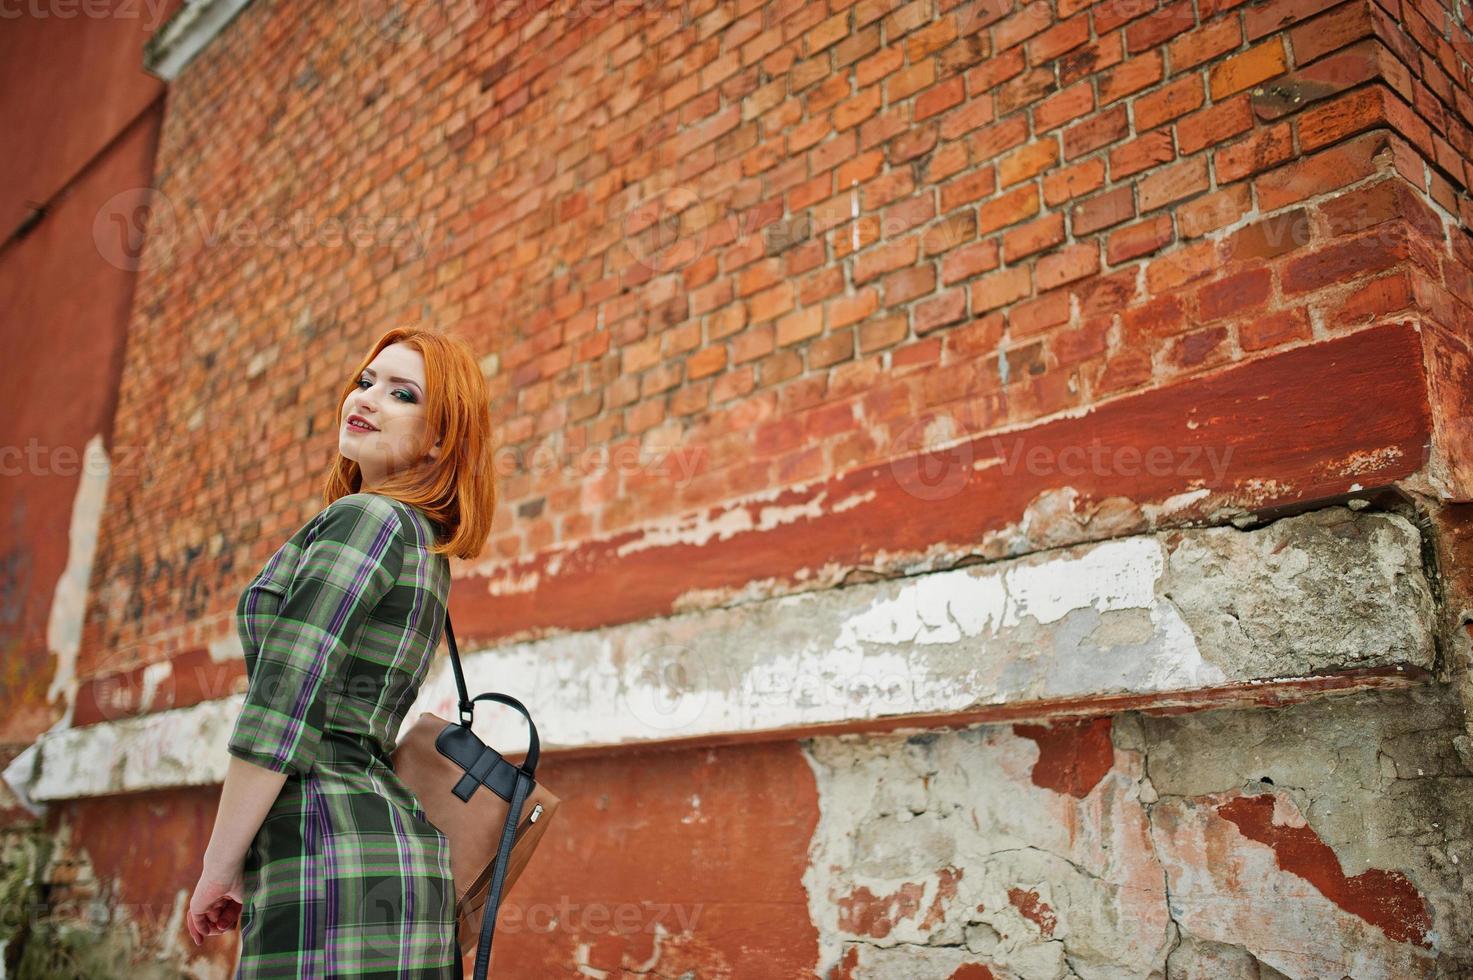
(651, 220)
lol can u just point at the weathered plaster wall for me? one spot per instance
(1325, 839)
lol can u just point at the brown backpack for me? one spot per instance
(476, 798)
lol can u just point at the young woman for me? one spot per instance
(319, 851)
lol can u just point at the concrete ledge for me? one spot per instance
(1330, 599)
(186, 34)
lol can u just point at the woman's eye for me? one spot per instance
(408, 395)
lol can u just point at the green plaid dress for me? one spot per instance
(346, 877)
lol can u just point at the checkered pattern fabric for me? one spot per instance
(346, 877)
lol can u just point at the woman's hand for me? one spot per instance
(215, 905)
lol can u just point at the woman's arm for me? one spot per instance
(245, 798)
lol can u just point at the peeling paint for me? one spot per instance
(1383, 898)
(69, 599)
(1307, 842)
(1072, 756)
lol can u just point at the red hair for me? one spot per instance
(457, 490)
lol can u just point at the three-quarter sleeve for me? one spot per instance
(348, 564)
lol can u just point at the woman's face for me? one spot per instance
(390, 398)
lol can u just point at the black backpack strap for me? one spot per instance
(498, 875)
(523, 788)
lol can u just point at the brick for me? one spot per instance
(970, 261)
(968, 187)
(1081, 343)
(1215, 124)
(1067, 265)
(1001, 288)
(937, 98)
(1111, 14)
(1335, 30)
(1234, 294)
(1107, 295)
(925, 42)
(1389, 294)
(1031, 20)
(1354, 112)
(1174, 183)
(1037, 315)
(1035, 236)
(800, 325)
(994, 140)
(1093, 133)
(1387, 200)
(1102, 211)
(1273, 330)
(1247, 69)
(1030, 160)
(1343, 262)
(1262, 20)
(1105, 52)
(1062, 107)
(882, 259)
(949, 233)
(996, 70)
(1135, 73)
(1022, 360)
(1319, 174)
(848, 310)
(1169, 102)
(975, 340)
(1204, 44)
(1168, 22)
(1139, 239)
(925, 352)
(861, 168)
(1144, 153)
(904, 285)
(705, 362)
(1207, 214)
(949, 307)
(1268, 238)
(908, 146)
(1064, 36)
(1025, 90)
(1198, 347)
(1076, 181)
(1009, 209)
(1180, 267)
(1266, 148)
(1159, 318)
(1125, 369)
